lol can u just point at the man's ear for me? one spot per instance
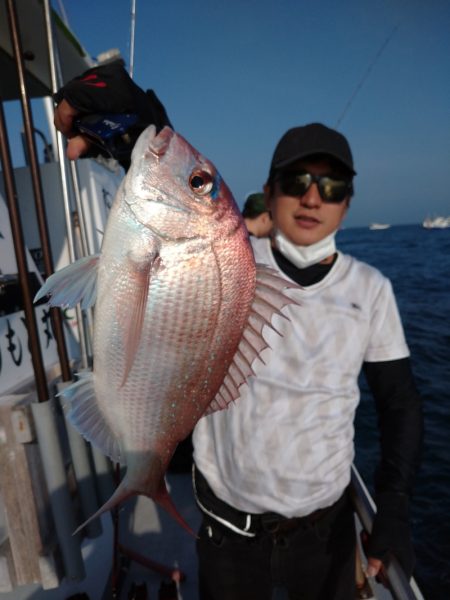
(267, 218)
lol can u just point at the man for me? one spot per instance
(256, 216)
(272, 471)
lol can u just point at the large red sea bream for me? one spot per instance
(179, 311)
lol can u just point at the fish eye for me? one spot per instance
(201, 182)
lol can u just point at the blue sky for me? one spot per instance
(235, 75)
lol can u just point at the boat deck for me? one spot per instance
(141, 527)
(142, 524)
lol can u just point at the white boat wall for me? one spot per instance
(48, 474)
(34, 40)
(98, 185)
(16, 369)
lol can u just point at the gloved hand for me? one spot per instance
(391, 531)
(102, 90)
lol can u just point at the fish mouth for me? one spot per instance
(159, 141)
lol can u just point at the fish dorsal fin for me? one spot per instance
(72, 284)
(269, 300)
(84, 414)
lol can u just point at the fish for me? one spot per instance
(180, 308)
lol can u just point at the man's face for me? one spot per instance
(306, 219)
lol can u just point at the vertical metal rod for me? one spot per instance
(55, 313)
(22, 267)
(80, 210)
(62, 10)
(82, 316)
(60, 138)
(132, 34)
(56, 78)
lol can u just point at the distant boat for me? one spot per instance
(436, 222)
(376, 226)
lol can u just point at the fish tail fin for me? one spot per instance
(124, 492)
(165, 501)
(121, 494)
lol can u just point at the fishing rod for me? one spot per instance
(366, 75)
(132, 35)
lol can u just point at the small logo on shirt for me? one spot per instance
(355, 306)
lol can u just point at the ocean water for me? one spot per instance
(417, 261)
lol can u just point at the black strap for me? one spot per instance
(216, 508)
(251, 523)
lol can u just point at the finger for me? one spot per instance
(373, 567)
(64, 117)
(77, 146)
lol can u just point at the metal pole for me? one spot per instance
(132, 33)
(365, 508)
(78, 447)
(59, 137)
(55, 313)
(82, 317)
(22, 267)
(55, 75)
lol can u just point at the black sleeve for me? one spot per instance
(400, 422)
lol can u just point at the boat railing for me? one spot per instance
(399, 586)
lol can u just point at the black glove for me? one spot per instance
(109, 89)
(391, 532)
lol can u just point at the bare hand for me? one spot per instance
(373, 567)
(64, 117)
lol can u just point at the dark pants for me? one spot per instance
(315, 561)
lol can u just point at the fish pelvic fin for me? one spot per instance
(269, 301)
(75, 283)
(84, 414)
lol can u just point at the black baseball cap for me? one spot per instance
(307, 140)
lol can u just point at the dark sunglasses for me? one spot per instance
(330, 189)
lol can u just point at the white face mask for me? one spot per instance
(305, 256)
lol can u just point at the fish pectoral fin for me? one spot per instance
(140, 271)
(75, 283)
(83, 412)
(269, 300)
